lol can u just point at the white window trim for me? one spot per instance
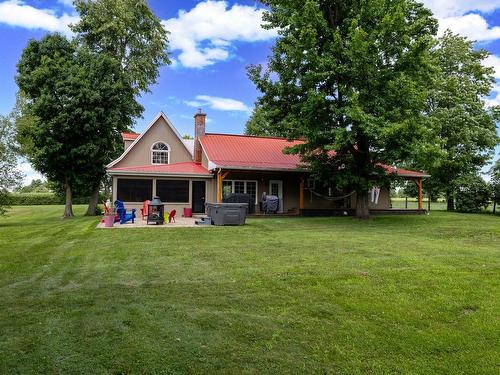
(245, 181)
(165, 151)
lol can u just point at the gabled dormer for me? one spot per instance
(159, 144)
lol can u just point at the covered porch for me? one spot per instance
(299, 194)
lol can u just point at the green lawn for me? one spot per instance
(392, 295)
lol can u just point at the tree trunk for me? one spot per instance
(68, 209)
(362, 211)
(94, 200)
(450, 203)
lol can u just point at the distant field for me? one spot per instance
(435, 206)
(390, 295)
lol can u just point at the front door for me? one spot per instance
(198, 197)
(276, 188)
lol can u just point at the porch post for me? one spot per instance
(301, 193)
(219, 187)
(220, 177)
(418, 181)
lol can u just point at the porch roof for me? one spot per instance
(242, 152)
(181, 169)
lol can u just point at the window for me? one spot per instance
(134, 190)
(160, 153)
(176, 191)
(239, 187)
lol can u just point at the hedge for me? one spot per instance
(36, 199)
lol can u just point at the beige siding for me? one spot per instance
(204, 159)
(126, 144)
(140, 154)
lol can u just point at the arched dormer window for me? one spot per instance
(160, 153)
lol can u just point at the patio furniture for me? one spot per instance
(171, 216)
(227, 213)
(271, 204)
(241, 198)
(144, 209)
(122, 212)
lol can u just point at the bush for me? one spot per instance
(472, 194)
(28, 199)
(37, 199)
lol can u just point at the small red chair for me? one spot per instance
(171, 216)
(145, 209)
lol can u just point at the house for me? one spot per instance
(188, 173)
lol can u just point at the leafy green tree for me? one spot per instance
(9, 175)
(462, 131)
(259, 124)
(35, 186)
(495, 181)
(472, 193)
(78, 102)
(349, 76)
(129, 32)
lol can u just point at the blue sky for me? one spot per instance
(212, 42)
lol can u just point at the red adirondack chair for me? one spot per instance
(171, 216)
(144, 209)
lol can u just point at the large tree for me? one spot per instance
(258, 124)
(9, 174)
(78, 102)
(495, 181)
(129, 32)
(462, 128)
(349, 76)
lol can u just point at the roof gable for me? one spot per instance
(137, 142)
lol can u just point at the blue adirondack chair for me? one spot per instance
(122, 212)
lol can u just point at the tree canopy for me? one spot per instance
(127, 30)
(10, 176)
(78, 102)
(349, 76)
(258, 124)
(462, 131)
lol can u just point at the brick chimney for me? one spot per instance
(199, 131)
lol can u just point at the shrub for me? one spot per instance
(37, 199)
(472, 194)
(28, 199)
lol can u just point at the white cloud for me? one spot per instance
(218, 103)
(205, 34)
(472, 25)
(17, 13)
(451, 8)
(29, 173)
(493, 61)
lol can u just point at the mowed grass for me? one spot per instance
(391, 295)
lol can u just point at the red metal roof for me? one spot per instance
(130, 136)
(249, 152)
(263, 153)
(188, 168)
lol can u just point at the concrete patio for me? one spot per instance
(180, 222)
